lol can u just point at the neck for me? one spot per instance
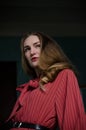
(37, 72)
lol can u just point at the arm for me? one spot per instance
(69, 104)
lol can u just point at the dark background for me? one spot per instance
(64, 20)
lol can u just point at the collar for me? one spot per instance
(34, 83)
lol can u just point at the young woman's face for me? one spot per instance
(32, 50)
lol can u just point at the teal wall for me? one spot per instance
(74, 47)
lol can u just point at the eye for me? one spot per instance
(38, 45)
(26, 49)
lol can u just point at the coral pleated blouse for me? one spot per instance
(59, 105)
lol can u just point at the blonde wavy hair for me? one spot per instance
(52, 59)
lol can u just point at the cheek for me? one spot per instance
(27, 55)
(39, 52)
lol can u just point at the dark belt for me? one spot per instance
(11, 124)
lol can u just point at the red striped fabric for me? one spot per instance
(60, 105)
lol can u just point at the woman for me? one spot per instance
(52, 99)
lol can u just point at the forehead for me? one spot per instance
(31, 39)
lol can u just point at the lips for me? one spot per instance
(34, 59)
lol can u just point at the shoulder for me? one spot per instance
(66, 79)
(66, 75)
(66, 72)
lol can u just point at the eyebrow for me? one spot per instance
(36, 42)
(33, 44)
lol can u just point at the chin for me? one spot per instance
(35, 66)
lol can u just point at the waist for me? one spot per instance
(11, 124)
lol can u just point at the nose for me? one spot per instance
(32, 51)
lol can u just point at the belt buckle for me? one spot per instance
(37, 127)
(17, 124)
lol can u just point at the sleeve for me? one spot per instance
(69, 104)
